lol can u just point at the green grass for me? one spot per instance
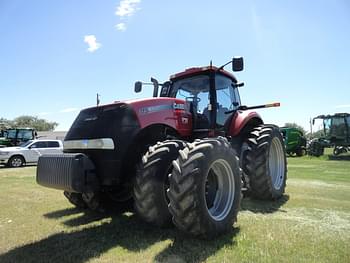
(311, 223)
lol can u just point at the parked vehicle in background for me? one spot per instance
(336, 129)
(294, 140)
(29, 152)
(14, 137)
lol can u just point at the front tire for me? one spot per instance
(205, 188)
(266, 162)
(75, 199)
(16, 161)
(151, 183)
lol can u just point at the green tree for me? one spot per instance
(4, 123)
(33, 122)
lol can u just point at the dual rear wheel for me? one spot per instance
(197, 186)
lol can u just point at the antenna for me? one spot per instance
(97, 99)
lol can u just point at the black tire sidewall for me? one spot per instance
(159, 178)
(276, 134)
(187, 191)
(211, 223)
(257, 162)
(154, 170)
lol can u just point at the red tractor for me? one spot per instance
(183, 156)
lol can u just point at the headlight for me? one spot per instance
(101, 143)
(4, 153)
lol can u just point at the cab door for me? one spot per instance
(227, 97)
(35, 150)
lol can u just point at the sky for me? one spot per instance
(56, 55)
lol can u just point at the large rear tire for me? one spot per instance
(151, 183)
(265, 162)
(205, 188)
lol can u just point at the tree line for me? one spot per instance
(27, 121)
(34, 122)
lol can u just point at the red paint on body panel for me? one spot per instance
(166, 111)
(240, 119)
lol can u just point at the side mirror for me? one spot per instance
(237, 64)
(138, 86)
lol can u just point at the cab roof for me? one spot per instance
(202, 70)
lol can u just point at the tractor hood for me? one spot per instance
(170, 112)
(155, 104)
(152, 101)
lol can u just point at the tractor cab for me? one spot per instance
(336, 127)
(15, 136)
(211, 94)
(336, 130)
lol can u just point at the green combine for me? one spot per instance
(294, 141)
(336, 129)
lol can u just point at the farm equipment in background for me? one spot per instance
(336, 129)
(294, 140)
(180, 156)
(16, 136)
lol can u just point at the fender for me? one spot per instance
(172, 112)
(241, 119)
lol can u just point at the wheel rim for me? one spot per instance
(16, 162)
(276, 163)
(219, 189)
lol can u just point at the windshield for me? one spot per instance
(22, 134)
(11, 134)
(195, 90)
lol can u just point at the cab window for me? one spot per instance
(194, 90)
(227, 98)
(53, 144)
(39, 145)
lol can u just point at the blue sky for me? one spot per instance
(56, 55)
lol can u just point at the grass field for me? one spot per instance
(311, 223)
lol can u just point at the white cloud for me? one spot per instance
(343, 106)
(68, 110)
(120, 27)
(91, 41)
(127, 7)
